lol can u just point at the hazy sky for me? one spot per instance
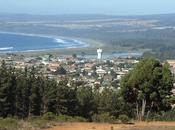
(114, 7)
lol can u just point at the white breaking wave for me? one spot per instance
(79, 42)
(163, 27)
(60, 40)
(6, 48)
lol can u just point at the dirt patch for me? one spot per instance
(104, 126)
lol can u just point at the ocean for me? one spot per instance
(10, 42)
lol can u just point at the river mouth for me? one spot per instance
(19, 42)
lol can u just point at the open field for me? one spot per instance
(104, 126)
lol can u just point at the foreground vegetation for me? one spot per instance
(46, 121)
(33, 100)
(49, 121)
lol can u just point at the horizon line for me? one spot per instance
(69, 14)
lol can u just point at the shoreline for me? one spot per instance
(90, 49)
(81, 43)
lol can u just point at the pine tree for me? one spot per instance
(22, 94)
(7, 91)
(35, 98)
(50, 98)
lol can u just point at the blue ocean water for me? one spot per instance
(21, 43)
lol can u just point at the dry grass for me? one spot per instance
(103, 126)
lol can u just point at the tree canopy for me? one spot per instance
(144, 90)
(148, 86)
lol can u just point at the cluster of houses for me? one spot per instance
(87, 72)
(93, 72)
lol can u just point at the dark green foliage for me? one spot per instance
(9, 124)
(26, 93)
(7, 91)
(123, 118)
(86, 103)
(60, 71)
(66, 118)
(36, 98)
(148, 86)
(74, 55)
(166, 116)
(50, 97)
(104, 117)
(23, 95)
(49, 116)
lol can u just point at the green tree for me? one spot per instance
(148, 87)
(86, 102)
(60, 71)
(74, 56)
(110, 101)
(36, 86)
(36, 97)
(7, 90)
(50, 97)
(23, 94)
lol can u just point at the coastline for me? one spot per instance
(86, 45)
(89, 48)
(78, 43)
(92, 46)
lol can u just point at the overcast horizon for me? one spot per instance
(110, 7)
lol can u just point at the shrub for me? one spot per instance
(166, 116)
(65, 118)
(9, 124)
(80, 119)
(123, 118)
(49, 116)
(104, 117)
(40, 122)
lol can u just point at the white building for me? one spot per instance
(99, 54)
(100, 71)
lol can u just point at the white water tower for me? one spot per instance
(99, 54)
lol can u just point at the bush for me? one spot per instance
(8, 124)
(40, 122)
(123, 118)
(80, 119)
(49, 116)
(104, 117)
(166, 116)
(65, 118)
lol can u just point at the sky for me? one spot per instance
(109, 7)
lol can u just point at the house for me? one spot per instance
(53, 66)
(100, 71)
(172, 65)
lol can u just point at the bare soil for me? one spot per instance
(105, 126)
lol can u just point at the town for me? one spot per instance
(94, 72)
